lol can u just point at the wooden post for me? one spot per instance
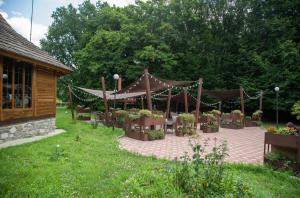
(220, 106)
(120, 83)
(242, 99)
(148, 90)
(168, 103)
(125, 104)
(298, 149)
(104, 98)
(142, 102)
(199, 93)
(1, 81)
(71, 102)
(186, 105)
(176, 108)
(261, 101)
(34, 90)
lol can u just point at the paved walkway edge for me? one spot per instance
(30, 139)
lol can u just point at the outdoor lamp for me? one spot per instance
(116, 78)
(276, 90)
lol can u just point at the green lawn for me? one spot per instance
(96, 167)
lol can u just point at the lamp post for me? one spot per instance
(277, 91)
(116, 78)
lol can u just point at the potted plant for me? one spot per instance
(217, 115)
(185, 124)
(209, 123)
(256, 116)
(249, 122)
(284, 140)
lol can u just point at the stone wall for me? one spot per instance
(26, 129)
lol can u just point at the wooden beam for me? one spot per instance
(298, 153)
(71, 102)
(198, 103)
(55, 93)
(186, 105)
(148, 89)
(104, 98)
(168, 104)
(261, 101)
(242, 99)
(13, 85)
(1, 85)
(34, 90)
(125, 104)
(120, 83)
(142, 102)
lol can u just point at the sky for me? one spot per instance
(17, 14)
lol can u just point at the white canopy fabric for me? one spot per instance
(110, 94)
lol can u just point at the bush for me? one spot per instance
(296, 110)
(199, 176)
(187, 124)
(121, 116)
(271, 129)
(204, 175)
(257, 115)
(247, 117)
(237, 112)
(145, 113)
(216, 112)
(134, 116)
(156, 135)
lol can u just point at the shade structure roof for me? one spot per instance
(110, 94)
(223, 94)
(12, 42)
(156, 84)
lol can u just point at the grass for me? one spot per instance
(94, 166)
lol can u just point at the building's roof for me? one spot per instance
(12, 42)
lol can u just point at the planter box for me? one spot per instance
(137, 135)
(250, 123)
(288, 145)
(210, 130)
(232, 126)
(178, 133)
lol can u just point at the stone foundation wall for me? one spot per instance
(27, 129)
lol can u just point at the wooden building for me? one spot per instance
(28, 77)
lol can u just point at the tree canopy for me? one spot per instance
(226, 42)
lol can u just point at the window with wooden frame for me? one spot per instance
(16, 84)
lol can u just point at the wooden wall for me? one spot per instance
(43, 97)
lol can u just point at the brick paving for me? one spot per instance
(245, 145)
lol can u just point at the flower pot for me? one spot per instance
(250, 123)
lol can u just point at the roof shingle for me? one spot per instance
(13, 42)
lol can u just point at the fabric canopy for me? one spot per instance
(110, 94)
(156, 84)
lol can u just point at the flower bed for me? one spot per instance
(209, 123)
(185, 125)
(234, 120)
(138, 124)
(283, 140)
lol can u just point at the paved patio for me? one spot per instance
(245, 145)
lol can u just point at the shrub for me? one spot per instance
(237, 112)
(156, 135)
(121, 116)
(248, 117)
(286, 131)
(203, 175)
(296, 110)
(209, 115)
(134, 116)
(257, 115)
(271, 129)
(145, 113)
(157, 116)
(187, 124)
(216, 112)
